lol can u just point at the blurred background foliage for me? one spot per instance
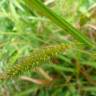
(22, 31)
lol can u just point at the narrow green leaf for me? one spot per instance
(61, 22)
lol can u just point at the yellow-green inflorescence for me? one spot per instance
(33, 60)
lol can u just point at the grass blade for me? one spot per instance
(61, 22)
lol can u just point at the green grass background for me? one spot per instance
(24, 28)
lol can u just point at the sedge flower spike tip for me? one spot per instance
(35, 59)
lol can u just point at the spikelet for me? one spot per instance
(35, 59)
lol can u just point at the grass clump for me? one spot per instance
(34, 32)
